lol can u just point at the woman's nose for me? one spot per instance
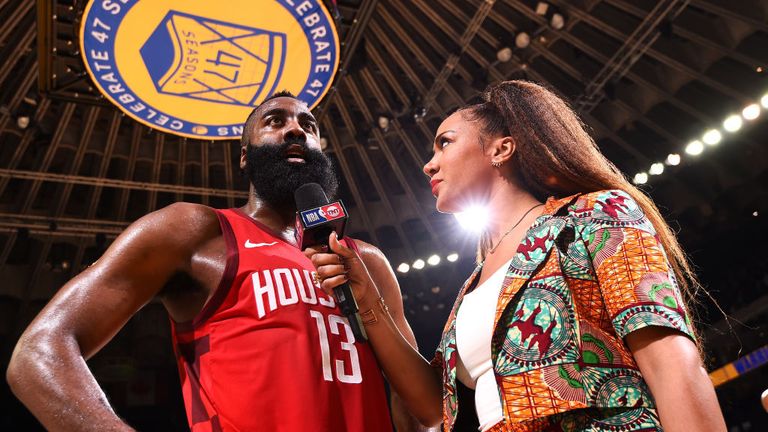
(430, 168)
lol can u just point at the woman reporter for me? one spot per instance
(576, 316)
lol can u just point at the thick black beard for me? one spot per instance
(275, 180)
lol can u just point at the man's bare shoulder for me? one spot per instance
(184, 223)
(186, 213)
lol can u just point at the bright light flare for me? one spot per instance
(733, 123)
(452, 257)
(473, 219)
(640, 178)
(764, 101)
(403, 268)
(751, 112)
(673, 159)
(418, 264)
(656, 169)
(694, 148)
(712, 137)
(433, 260)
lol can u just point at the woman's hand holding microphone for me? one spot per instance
(337, 264)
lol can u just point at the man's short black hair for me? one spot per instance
(249, 121)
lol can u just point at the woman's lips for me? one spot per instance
(434, 184)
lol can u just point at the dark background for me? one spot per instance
(646, 76)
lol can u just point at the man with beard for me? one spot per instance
(259, 345)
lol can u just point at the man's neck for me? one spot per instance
(279, 221)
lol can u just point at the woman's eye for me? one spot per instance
(444, 142)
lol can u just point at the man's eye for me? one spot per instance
(275, 121)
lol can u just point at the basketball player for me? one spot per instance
(259, 345)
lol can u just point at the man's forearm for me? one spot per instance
(55, 384)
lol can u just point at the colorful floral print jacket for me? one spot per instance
(588, 272)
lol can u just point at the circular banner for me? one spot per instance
(196, 68)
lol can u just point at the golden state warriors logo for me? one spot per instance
(196, 68)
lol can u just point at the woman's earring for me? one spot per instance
(496, 164)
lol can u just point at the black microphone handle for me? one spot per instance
(348, 307)
(345, 298)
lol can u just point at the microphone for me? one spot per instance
(316, 218)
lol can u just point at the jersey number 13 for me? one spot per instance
(335, 324)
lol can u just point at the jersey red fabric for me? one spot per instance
(271, 351)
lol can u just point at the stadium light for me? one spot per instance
(751, 112)
(673, 159)
(712, 137)
(733, 123)
(694, 148)
(640, 178)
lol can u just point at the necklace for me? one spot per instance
(493, 249)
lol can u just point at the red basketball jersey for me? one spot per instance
(270, 351)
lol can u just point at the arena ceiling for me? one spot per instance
(646, 76)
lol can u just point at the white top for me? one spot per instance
(474, 328)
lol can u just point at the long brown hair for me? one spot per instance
(555, 156)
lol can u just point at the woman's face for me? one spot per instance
(459, 171)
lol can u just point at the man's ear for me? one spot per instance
(243, 157)
(502, 149)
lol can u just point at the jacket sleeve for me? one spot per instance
(637, 283)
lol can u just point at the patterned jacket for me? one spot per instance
(588, 272)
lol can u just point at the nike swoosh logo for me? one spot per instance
(249, 245)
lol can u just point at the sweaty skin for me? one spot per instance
(48, 370)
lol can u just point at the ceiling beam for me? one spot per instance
(662, 58)
(106, 156)
(350, 179)
(64, 119)
(632, 48)
(157, 164)
(136, 137)
(384, 145)
(681, 31)
(729, 13)
(473, 27)
(409, 193)
(350, 43)
(74, 168)
(368, 165)
(119, 184)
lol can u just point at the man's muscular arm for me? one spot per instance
(48, 372)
